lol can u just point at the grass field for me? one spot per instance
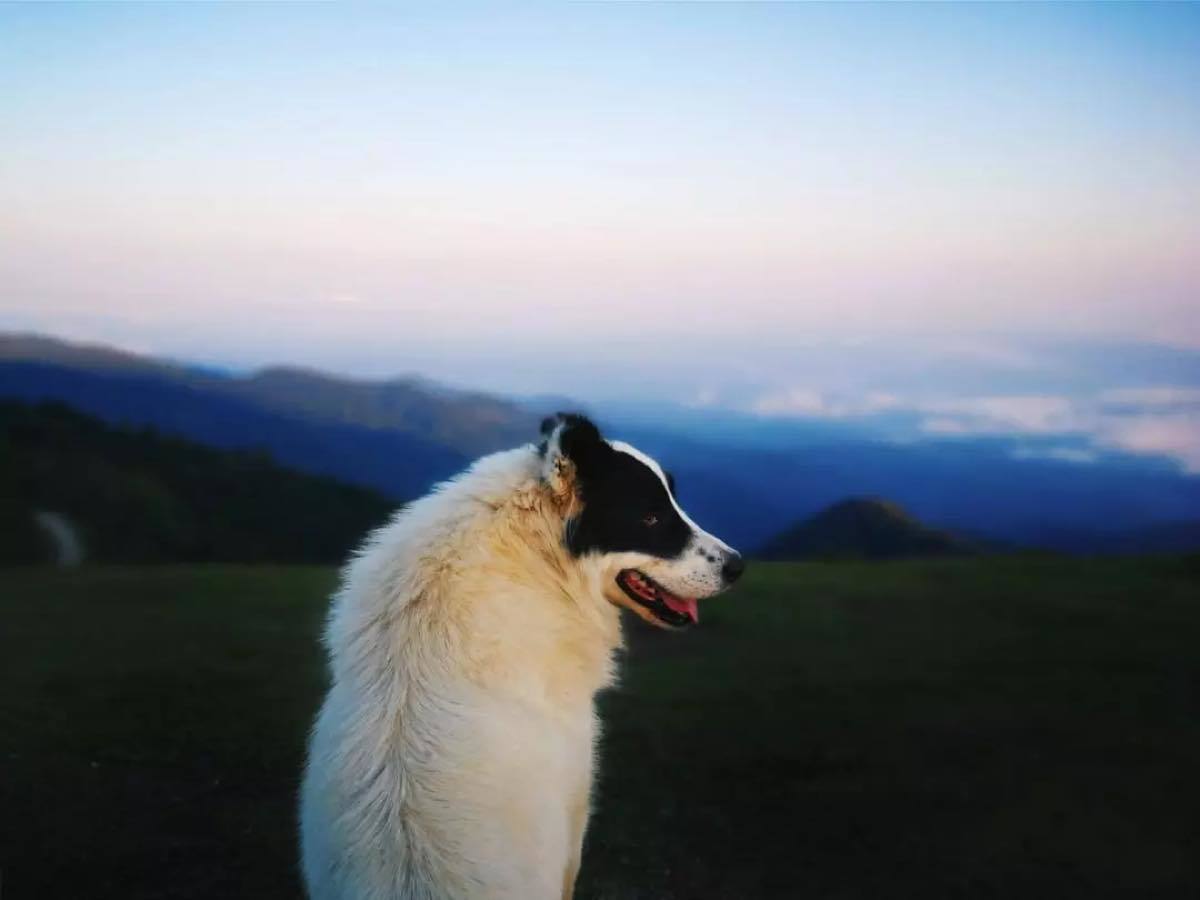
(977, 728)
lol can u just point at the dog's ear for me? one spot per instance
(571, 443)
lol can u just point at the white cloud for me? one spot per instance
(1032, 414)
(1171, 434)
(1157, 421)
(1063, 454)
(794, 402)
(945, 425)
(704, 398)
(877, 401)
(1170, 395)
(804, 402)
(991, 353)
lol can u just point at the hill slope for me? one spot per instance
(465, 423)
(469, 423)
(400, 465)
(139, 496)
(863, 528)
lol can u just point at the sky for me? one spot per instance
(788, 209)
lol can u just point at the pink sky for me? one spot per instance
(397, 189)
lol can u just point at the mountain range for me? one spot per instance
(469, 422)
(743, 478)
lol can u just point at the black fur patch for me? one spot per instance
(578, 434)
(626, 507)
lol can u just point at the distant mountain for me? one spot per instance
(93, 357)
(467, 423)
(74, 486)
(470, 423)
(399, 436)
(863, 528)
(742, 477)
(400, 465)
(1166, 537)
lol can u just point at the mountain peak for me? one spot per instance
(863, 528)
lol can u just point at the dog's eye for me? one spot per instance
(650, 521)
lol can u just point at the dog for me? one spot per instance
(452, 758)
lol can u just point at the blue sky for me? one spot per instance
(808, 210)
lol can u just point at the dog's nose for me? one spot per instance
(733, 568)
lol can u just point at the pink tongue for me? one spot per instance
(685, 605)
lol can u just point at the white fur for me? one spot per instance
(452, 758)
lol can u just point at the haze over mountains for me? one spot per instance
(745, 477)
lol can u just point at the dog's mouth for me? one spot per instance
(669, 609)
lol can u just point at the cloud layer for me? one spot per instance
(1161, 420)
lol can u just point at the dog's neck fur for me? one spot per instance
(479, 564)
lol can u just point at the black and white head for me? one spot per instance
(626, 524)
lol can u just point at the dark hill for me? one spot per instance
(139, 496)
(1181, 536)
(863, 528)
(401, 465)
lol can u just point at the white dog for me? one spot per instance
(453, 755)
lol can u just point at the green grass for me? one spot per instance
(970, 728)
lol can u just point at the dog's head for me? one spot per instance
(625, 522)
